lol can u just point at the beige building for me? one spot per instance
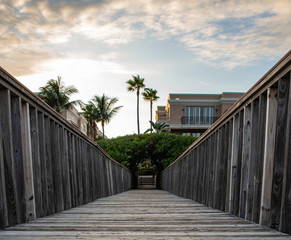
(192, 114)
(78, 120)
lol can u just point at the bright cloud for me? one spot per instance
(222, 33)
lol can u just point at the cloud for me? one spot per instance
(222, 33)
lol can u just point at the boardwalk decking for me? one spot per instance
(140, 214)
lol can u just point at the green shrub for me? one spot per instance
(161, 148)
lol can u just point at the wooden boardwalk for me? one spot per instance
(140, 214)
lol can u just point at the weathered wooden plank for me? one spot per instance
(64, 151)
(252, 158)
(16, 120)
(258, 168)
(85, 173)
(198, 173)
(206, 170)
(43, 162)
(35, 154)
(246, 144)
(218, 175)
(73, 168)
(91, 168)
(3, 202)
(229, 154)
(214, 172)
(27, 164)
(282, 110)
(238, 164)
(285, 212)
(9, 199)
(141, 214)
(223, 168)
(272, 103)
(213, 159)
(79, 170)
(233, 171)
(49, 171)
(57, 168)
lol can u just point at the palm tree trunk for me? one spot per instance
(94, 131)
(103, 133)
(137, 95)
(151, 108)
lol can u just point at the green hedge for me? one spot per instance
(160, 148)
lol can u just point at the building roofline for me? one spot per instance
(204, 93)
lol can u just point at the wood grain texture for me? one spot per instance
(43, 162)
(282, 111)
(259, 162)
(252, 161)
(3, 202)
(27, 164)
(16, 120)
(141, 214)
(246, 145)
(267, 182)
(36, 164)
(285, 212)
(7, 163)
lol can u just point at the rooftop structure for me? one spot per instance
(192, 114)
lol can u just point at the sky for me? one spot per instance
(177, 46)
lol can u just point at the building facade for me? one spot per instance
(78, 120)
(192, 114)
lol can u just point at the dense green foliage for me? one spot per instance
(161, 149)
(55, 94)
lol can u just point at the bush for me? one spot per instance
(160, 148)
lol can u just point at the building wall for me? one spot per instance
(174, 111)
(78, 120)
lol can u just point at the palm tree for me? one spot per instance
(150, 95)
(90, 114)
(136, 84)
(158, 127)
(104, 109)
(57, 95)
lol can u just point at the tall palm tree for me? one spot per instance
(136, 84)
(57, 95)
(104, 109)
(91, 115)
(150, 95)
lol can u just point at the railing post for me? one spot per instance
(245, 160)
(235, 123)
(253, 159)
(285, 211)
(10, 201)
(271, 117)
(3, 202)
(28, 171)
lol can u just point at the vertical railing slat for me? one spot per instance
(271, 117)
(27, 164)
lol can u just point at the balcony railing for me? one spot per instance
(198, 120)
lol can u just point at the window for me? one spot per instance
(196, 134)
(209, 115)
(189, 113)
(199, 115)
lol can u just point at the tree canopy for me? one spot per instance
(55, 94)
(135, 84)
(161, 149)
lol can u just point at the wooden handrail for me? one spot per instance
(46, 164)
(242, 163)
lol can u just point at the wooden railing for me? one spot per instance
(242, 163)
(46, 164)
